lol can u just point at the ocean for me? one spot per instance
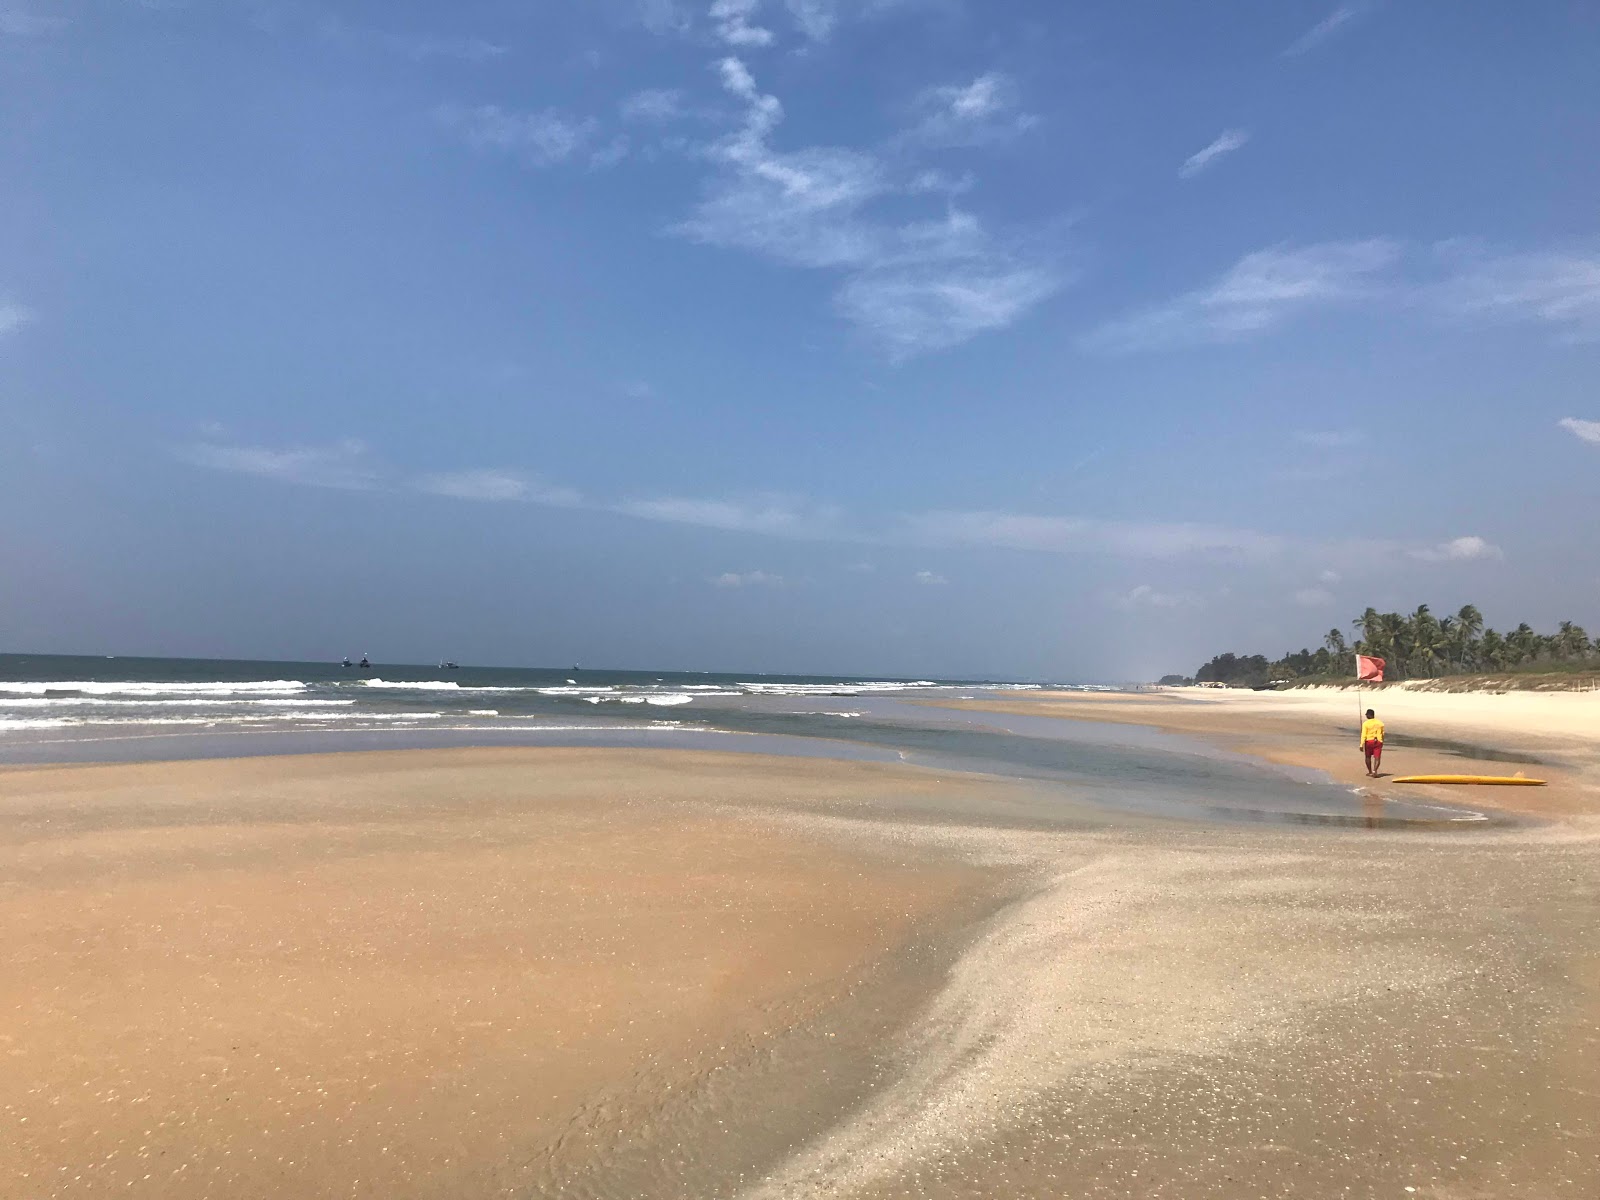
(57, 708)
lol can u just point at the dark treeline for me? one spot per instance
(1415, 645)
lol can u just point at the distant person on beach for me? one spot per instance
(1372, 742)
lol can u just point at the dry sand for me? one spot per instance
(673, 974)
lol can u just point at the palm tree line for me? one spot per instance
(1421, 645)
(1414, 645)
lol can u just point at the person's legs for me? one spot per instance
(1377, 759)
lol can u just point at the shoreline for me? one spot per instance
(1545, 735)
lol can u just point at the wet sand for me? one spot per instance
(459, 973)
(668, 974)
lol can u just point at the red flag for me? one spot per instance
(1369, 670)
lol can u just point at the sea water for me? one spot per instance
(77, 709)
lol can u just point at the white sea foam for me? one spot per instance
(319, 716)
(142, 688)
(835, 689)
(483, 712)
(426, 686)
(54, 702)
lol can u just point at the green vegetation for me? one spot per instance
(1417, 645)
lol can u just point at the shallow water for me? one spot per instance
(158, 710)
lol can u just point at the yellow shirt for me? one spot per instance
(1372, 730)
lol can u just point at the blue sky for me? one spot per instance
(860, 336)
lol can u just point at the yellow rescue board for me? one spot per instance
(1504, 780)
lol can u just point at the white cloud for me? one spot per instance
(1557, 289)
(746, 579)
(1330, 577)
(22, 20)
(732, 20)
(913, 287)
(780, 516)
(1461, 549)
(815, 18)
(663, 16)
(1313, 597)
(1324, 29)
(343, 464)
(972, 114)
(653, 104)
(13, 317)
(1144, 597)
(930, 579)
(1584, 431)
(1328, 439)
(1085, 535)
(1262, 290)
(937, 306)
(609, 155)
(1229, 141)
(489, 484)
(541, 139)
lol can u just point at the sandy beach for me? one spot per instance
(604, 973)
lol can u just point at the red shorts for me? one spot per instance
(1373, 747)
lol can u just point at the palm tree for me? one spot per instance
(1523, 644)
(1470, 622)
(1425, 638)
(1338, 650)
(1492, 649)
(1571, 640)
(1449, 640)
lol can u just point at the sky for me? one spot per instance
(1014, 339)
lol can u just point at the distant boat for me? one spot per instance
(447, 665)
(365, 664)
(347, 662)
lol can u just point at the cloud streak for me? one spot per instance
(1561, 290)
(1227, 142)
(1260, 292)
(912, 287)
(1584, 431)
(1323, 30)
(1461, 549)
(343, 465)
(975, 114)
(540, 139)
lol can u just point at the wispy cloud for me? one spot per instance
(914, 287)
(747, 579)
(13, 317)
(974, 114)
(774, 515)
(663, 16)
(653, 104)
(419, 47)
(1086, 535)
(1324, 29)
(1584, 431)
(541, 139)
(1314, 598)
(1561, 290)
(1261, 291)
(732, 21)
(930, 579)
(23, 20)
(345, 465)
(1461, 549)
(491, 485)
(1147, 597)
(1328, 439)
(1227, 142)
(814, 18)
